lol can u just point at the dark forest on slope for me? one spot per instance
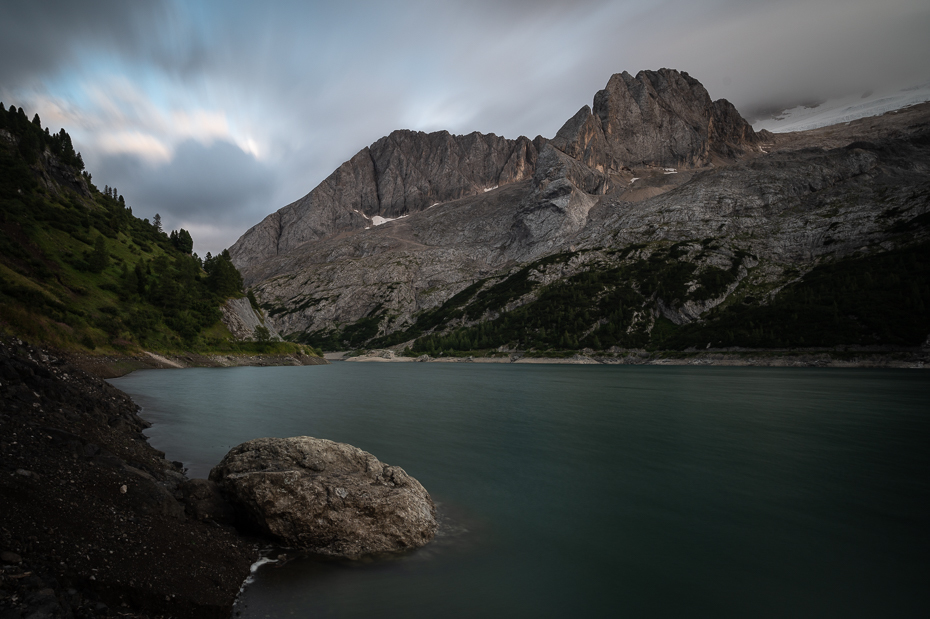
(79, 270)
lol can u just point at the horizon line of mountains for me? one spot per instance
(662, 118)
(655, 218)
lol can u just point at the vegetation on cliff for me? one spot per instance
(615, 298)
(878, 300)
(820, 239)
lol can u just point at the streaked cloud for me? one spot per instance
(144, 146)
(157, 94)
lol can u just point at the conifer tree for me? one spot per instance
(29, 147)
(223, 278)
(99, 258)
(185, 241)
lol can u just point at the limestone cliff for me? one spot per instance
(242, 320)
(401, 174)
(666, 118)
(656, 181)
(663, 118)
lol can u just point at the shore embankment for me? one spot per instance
(838, 358)
(93, 520)
(113, 366)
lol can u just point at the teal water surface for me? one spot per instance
(596, 491)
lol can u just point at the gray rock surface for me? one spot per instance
(790, 207)
(661, 118)
(666, 118)
(403, 173)
(242, 319)
(655, 161)
(326, 497)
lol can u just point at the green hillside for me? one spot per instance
(79, 271)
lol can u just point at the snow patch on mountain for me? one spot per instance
(846, 109)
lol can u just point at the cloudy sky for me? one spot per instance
(217, 113)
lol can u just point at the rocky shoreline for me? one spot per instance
(113, 366)
(93, 520)
(846, 358)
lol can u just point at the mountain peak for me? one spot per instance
(663, 118)
(667, 118)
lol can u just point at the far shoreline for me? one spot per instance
(113, 366)
(849, 358)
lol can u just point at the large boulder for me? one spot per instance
(325, 497)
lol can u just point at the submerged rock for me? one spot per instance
(326, 497)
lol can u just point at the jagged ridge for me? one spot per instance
(400, 174)
(672, 223)
(659, 117)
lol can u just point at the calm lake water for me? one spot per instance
(596, 491)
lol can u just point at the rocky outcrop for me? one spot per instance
(401, 174)
(660, 119)
(326, 497)
(663, 118)
(666, 118)
(565, 190)
(53, 174)
(242, 319)
(582, 138)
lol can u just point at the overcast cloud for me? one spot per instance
(215, 114)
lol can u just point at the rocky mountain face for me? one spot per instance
(663, 118)
(244, 322)
(401, 174)
(652, 212)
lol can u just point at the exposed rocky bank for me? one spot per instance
(841, 357)
(92, 518)
(112, 366)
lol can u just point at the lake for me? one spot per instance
(596, 491)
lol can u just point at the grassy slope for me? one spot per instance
(51, 293)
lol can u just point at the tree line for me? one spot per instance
(80, 266)
(33, 140)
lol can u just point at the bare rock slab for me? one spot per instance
(326, 497)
